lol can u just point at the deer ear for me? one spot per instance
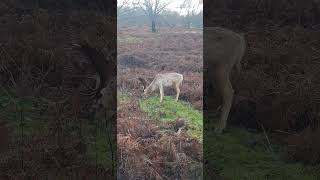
(143, 82)
(140, 79)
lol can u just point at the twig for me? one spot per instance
(22, 138)
(265, 134)
(95, 142)
(109, 142)
(10, 97)
(14, 62)
(53, 158)
(55, 102)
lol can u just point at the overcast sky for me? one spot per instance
(174, 4)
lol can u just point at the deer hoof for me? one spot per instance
(219, 129)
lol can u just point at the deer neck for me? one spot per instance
(152, 86)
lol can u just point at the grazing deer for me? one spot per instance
(163, 80)
(223, 49)
(105, 67)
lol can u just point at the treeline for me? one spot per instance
(128, 16)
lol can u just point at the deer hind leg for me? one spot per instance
(227, 92)
(161, 93)
(98, 81)
(177, 87)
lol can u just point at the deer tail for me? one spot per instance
(238, 65)
(243, 47)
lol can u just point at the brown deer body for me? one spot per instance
(223, 49)
(164, 80)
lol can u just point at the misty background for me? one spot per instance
(160, 13)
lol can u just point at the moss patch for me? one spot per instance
(234, 158)
(169, 110)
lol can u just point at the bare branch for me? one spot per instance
(163, 7)
(152, 9)
(119, 7)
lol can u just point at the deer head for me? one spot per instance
(104, 64)
(147, 89)
(144, 85)
(143, 82)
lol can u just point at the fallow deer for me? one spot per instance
(223, 49)
(161, 81)
(105, 71)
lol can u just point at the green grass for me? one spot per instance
(234, 159)
(123, 96)
(100, 150)
(230, 153)
(35, 125)
(169, 110)
(10, 113)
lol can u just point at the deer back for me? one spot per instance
(222, 45)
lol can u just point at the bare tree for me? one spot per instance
(191, 7)
(121, 5)
(153, 9)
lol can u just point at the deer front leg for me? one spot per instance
(178, 91)
(226, 106)
(227, 92)
(161, 93)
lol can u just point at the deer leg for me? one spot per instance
(98, 81)
(178, 91)
(161, 93)
(226, 106)
(227, 92)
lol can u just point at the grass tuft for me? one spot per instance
(234, 158)
(169, 110)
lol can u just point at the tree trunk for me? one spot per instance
(316, 14)
(153, 26)
(188, 20)
(188, 23)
